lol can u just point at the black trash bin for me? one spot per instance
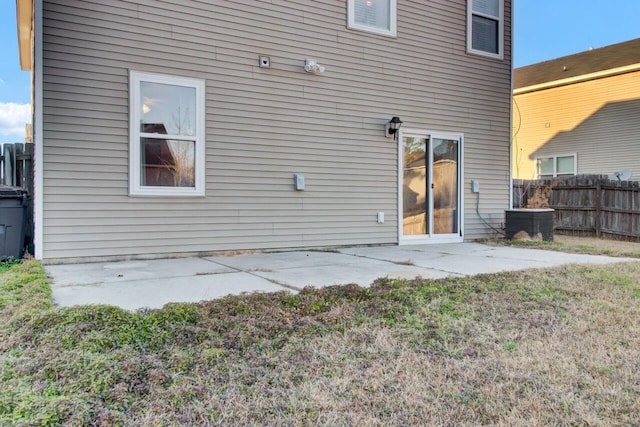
(13, 221)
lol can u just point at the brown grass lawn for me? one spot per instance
(540, 347)
(578, 244)
(613, 247)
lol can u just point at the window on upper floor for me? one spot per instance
(485, 27)
(166, 135)
(553, 166)
(376, 16)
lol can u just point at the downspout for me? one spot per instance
(511, 159)
(38, 140)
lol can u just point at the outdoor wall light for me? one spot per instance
(311, 66)
(393, 126)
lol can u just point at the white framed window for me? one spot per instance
(166, 135)
(553, 166)
(376, 16)
(485, 27)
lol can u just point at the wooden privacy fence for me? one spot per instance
(16, 165)
(587, 204)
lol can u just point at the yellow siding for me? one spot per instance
(599, 120)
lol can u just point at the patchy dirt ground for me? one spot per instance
(614, 245)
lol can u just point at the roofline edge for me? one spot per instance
(24, 21)
(578, 79)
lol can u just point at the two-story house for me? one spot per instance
(578, 114)
(190, 127)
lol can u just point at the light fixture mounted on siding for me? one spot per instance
(393, 126)
(311, 66)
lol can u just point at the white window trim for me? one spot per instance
(470, 13)
(135, 187)
(555, 164)
(351, 20)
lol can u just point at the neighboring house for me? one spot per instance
(579, 114)
(178, 127)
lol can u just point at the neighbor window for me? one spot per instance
(553, 166)
(376, 16)
(485, 27)
(166, 135)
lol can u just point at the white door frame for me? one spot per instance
(430, 237)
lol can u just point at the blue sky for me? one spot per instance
(548, 29)
(543, 29)
(14, 83)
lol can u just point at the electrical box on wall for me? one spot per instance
(475, 186)
(298, 181)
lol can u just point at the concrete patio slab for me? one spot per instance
(433, 249)
(153, 283)
(468, 265)
(277, 260)
(549, 258)
(320, 269)
(474, 258)
(155, 293)
(116, 272)
(361, 272)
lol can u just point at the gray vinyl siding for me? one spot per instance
(263, 125)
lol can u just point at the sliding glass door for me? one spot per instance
(430, 187)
